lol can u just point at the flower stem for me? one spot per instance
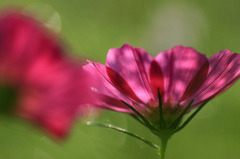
(164, 141)
(125, 132)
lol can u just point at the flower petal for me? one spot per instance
(108, 96)
(224, 71)
(180, 66)
(56, 99)
(51, 89)
(132, 64)
(111, 103)
(196, 82)
(24, 44)
(156, 78)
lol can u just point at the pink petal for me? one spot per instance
(52, 90)
(24, 43)
(196, 82)
(132, 65)
(156, 78)
(56, 99)
(180, 66)
(108, 96)
(224, 71)
(56, 123)
(112, 103)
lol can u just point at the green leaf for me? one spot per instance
(191, 117)
(177, 121)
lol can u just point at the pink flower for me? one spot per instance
(180, 74)
(37, 81)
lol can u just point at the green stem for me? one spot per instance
(163, 148)
(109, 126)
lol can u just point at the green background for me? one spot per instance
(90, 28)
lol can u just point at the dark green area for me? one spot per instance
(8, 97)
(90, 28)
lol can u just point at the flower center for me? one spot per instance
(8, 96)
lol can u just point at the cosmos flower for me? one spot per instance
(181, 76)
(37, 81)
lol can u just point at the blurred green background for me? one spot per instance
(90, 28)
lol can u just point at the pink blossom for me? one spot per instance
(46, 87)
(180, 74)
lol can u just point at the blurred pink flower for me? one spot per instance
(37, 81)
(180, 74)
